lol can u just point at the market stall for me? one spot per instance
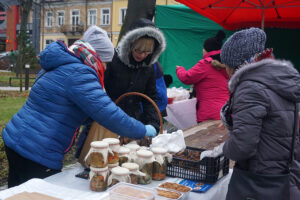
(172, 160)
(66, 186)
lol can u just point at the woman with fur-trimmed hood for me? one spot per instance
(262, 117)
(131, 70)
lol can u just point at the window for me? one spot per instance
(49, 19)
(75, 15)
(105, 16)
(122, 15)
(60, 18)
(49, 41)
(92, 17)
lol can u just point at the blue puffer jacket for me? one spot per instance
(58, 103)
(161, 88)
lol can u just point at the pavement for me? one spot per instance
(3, 187)
(8, 88)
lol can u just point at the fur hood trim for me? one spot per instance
(123, 48)
(217, 64)
(235, 79)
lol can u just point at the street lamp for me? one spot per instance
(27, 66)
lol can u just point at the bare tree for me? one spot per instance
(137, 9)
(25, 7)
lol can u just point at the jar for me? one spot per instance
(110, 166)
(98, 179)
(145, 161)
(133, 172)
(97, 155)
(133, 149)
(118, 174)
(160, 163)
(113, 153)
(124, 154)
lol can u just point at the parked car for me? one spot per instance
(4, 61)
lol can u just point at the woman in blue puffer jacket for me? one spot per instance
(67, 91)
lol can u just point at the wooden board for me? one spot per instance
(206, 135)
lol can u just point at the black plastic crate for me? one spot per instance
(208, 170)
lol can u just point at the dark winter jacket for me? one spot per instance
(263, 101)
(123, 74)
(58, 103)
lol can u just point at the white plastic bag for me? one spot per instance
(173, 142)
(218, 150)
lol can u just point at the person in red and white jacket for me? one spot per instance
(209, 78)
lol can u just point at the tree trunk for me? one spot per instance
(137, 9)
(25, 7)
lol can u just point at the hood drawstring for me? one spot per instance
(72, 141)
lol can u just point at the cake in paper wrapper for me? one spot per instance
(125, 191)
(184, 190)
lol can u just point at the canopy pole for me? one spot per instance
(263, 19)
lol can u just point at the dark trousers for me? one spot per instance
(22, 169)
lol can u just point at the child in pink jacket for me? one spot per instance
(209, 78)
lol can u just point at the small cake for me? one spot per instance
(133, 192)
(175, 186)
(169, 194)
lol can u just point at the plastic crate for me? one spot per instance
(208, 170)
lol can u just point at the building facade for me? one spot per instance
(68, 19)
(9, 18)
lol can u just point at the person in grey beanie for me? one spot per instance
(99, 40)
(262, 116)
(67, 91)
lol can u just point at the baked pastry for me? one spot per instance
(169, 194)
(175, 186)
(133, 192)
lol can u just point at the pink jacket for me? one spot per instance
(210, 85)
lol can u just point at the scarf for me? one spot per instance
(267, 53)
(226, 112)
(88, 55)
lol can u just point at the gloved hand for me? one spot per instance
(150, 131)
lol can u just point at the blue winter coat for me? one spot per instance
(58, 103)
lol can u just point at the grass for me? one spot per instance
(10, 103)
(4, 79)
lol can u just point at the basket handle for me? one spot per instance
(149, 99)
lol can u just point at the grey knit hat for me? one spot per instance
(242, 46)
(99, 40)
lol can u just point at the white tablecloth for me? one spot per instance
(66, 186)
(182, 114)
